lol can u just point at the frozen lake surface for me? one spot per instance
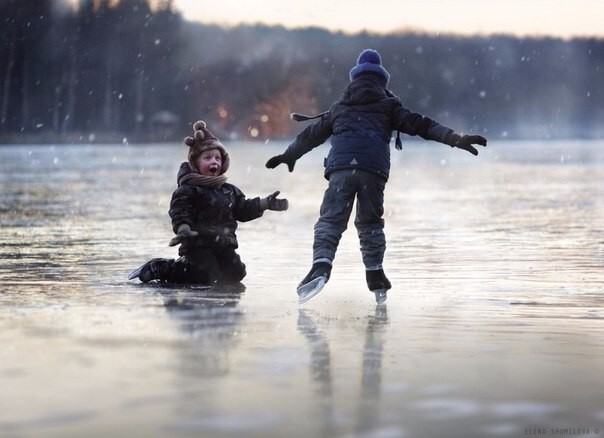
(494, 326)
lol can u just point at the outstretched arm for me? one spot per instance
(311, 137)
(417, 124)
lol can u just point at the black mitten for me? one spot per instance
(278, 159)
(271, 202)
(465, 142)
(184, 232)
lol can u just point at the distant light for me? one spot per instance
(482, 94)
(264, 118)
(254, 132)
(222, 113)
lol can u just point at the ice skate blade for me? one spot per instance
(310, 289)
(380, 295)
(134, 274)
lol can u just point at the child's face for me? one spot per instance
(210, 162)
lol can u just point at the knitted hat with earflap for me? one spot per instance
(203, 140)
(370, 62)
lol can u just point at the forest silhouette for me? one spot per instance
(111, 71)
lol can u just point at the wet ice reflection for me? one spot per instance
(493, 326)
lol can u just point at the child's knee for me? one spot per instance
(233, 269)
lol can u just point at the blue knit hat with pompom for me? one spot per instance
(370, 61)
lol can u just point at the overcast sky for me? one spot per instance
(561, 18)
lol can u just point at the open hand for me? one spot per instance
(271, 202)
(466, 141)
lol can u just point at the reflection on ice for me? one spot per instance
(367, 415)
(320, 373)
(210, 319)
(371, 379)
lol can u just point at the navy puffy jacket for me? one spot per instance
(360, 125)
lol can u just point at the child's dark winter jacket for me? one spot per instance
(361, 125)
(212, 212)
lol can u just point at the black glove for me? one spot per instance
(272, 203)
(465, 142)
(278, 159)
(184, 232)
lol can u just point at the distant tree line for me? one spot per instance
(134, 69)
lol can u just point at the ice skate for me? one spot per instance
(149, 271)
(313, 283)
(378, 284)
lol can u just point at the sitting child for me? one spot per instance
(204, 211)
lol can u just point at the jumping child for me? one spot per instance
(360, 125)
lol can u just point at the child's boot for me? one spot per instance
(152, 270)
(312, 284)
(378, 284)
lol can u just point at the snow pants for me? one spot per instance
(204, 266)
(344, 186)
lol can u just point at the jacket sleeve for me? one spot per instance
(181, 207)
(245, 209)
(312, 136)
(416, 124)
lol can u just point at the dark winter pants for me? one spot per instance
(204, 266)
(344, 187)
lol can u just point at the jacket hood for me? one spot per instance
(185, 169)
(366, 88)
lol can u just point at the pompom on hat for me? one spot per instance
(370, 61)
(203, 140)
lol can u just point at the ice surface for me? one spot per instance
(493, 326)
